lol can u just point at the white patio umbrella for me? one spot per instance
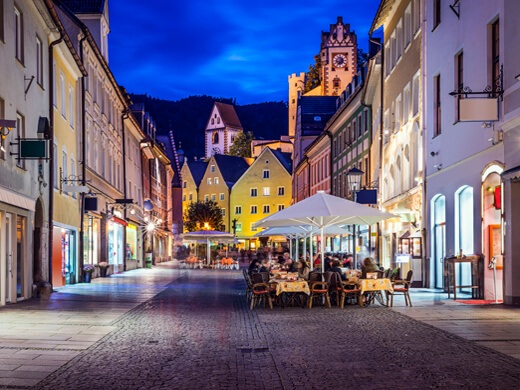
(207, 236)
(299, 231)
(322, 210)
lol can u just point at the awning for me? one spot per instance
(17, 200)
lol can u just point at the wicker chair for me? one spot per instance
(401, 287)
(319, 290)
(261, 293)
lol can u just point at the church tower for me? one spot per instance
(222, 127)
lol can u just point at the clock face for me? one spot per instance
(340, 60)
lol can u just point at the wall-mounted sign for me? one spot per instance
(481, 109)
(32, 148)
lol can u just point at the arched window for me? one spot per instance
(215, 137)
(438, 238)
(464, 220)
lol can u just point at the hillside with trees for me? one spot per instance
(187, 118)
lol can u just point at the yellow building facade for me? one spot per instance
(67, 72)
(262, 190)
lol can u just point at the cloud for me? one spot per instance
(227, 48)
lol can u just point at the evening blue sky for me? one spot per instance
(172, 49)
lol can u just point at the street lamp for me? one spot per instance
(354, 181)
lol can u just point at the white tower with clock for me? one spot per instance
(222, 127)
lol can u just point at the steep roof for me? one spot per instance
(231, 167)
(228, 114)
(197, 169)
(171, 153)
(284, 158)
(85, 6)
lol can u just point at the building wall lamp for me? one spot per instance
(6, 126)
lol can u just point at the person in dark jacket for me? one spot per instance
(335, 268)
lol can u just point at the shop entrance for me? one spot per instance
(8, 259)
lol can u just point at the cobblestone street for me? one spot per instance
(192, 329)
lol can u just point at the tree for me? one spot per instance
(242, 144)
(201, 213)
(312, 77)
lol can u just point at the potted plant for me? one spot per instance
(103, 268)
(88, 269)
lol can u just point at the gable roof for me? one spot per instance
(285, 159)
(197, 169)
(171, 152)
(85, 6)
(231, 167)
(228, 114)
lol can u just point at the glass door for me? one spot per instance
(9, 259)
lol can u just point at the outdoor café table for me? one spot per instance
(290, 290)
(227, 262)
(374, 288)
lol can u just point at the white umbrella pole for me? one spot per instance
(290, 247)
(322, 251)
(208, 254)
(304, 246)
(312, 253)
(297, 242)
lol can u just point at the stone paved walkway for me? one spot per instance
(192, 329)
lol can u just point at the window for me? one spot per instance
(2, 21)
(254, 209)
(20, 132)
(213, 197)
(266, 174)
(281, 191)
(3, 143)
(190, 197)
(184, 184)
(415, 97)
(208, 181)
(212, 168)
(495, 54)
(63, 96)
(266, 191)
(267, 209)
(437, 105)
(55, 165)
(406, 104)
(416, 16)
(184, 198)
(206, 198)
(238, 209)
(254, 192)
(215, 138)
(54, 94)
(436, 13)
(39, 61)
(223, 212)
(238, 226)
(464, 219)
(408, 25)
(73, 173)
(18, 35)
(459, 80)
(215, 180)
(281, 207)
(64, 169)
(221, 196)
(71, 106)
(253, 228)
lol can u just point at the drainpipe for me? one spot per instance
(124, 115)
(51, 148)
(81, 243)
(330, 161)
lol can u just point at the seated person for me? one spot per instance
(328, 261)
(348, 261)
(289, 265)
(368, 265)
(303, 269)
(264, 267)
(254, 266)
(335, 268)
(281, 260)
